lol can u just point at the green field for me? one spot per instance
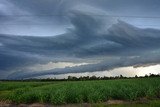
(69, 92)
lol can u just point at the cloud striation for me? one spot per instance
(101, 43)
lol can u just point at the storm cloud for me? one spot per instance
(89, 44)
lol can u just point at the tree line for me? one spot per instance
(84, 78)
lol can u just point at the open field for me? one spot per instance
(69, 92)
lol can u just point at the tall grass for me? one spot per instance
(86, 91)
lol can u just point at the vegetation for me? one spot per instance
(84, 78)
(95, 91)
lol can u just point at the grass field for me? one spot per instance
(69, 92)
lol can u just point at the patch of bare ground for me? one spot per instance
(109, 102)
(116, 102)
(45, 105)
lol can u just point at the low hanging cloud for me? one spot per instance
(51, 65)
(129, 71)
(97, 44)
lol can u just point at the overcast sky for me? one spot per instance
(49, 17)
(42, 38)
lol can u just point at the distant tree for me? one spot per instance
(93, 77)
(70, 77)
(146, 76)
(121, 76)
(136, 76)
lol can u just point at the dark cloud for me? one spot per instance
(125, 44)
(109, 42)
(39, 22)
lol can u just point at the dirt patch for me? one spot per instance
(116, 102)
(3, 104)
(109, 102)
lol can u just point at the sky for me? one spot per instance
(57, 38)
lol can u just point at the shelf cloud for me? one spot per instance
(89, 44)
(117, 46)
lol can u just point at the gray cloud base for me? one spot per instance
(38, 21)
(89, 38)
